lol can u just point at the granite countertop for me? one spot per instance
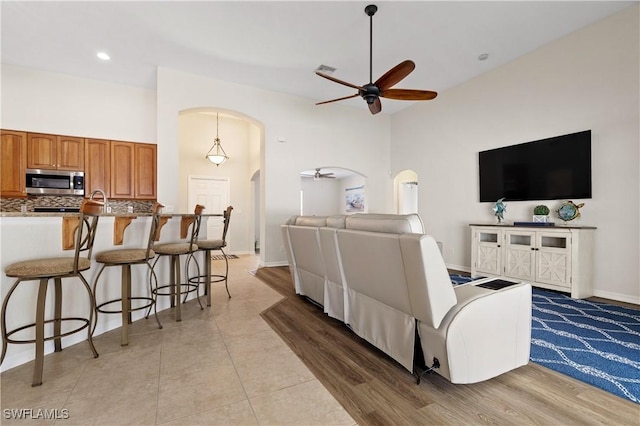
(67, 214)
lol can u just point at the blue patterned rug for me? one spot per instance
(596, 343)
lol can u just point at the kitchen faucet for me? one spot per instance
(104, 199)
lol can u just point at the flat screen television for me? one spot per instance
(547, 169)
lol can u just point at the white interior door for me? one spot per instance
(213, 194)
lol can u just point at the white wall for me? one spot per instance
(337, 135)
(587, 80)
(321, 196)
(57, 103)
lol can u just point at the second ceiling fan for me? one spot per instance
(372, 92)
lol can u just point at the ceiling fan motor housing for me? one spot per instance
(370, 93)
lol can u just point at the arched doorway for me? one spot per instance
(242, 139)
(406, 192)
(326, 191)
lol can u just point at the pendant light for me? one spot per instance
(216, 154)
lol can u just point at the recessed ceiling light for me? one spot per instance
(483, 57)
(103, 55)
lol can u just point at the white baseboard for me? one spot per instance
(616, 296)
(273, 264)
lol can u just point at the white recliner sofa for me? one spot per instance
(397, 295)
(313, 261)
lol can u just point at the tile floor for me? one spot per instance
(220, 365)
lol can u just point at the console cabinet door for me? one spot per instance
(122, 170)
(553, 258)
(520, 255)
(486, 252)
(13, 161)
(145, 171)
(97, 159)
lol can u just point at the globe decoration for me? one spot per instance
(569, 211)
(498, 209)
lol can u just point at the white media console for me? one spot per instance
(552, 257)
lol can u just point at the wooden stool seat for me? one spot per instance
(46, 267)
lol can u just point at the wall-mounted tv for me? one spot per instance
(547, 169)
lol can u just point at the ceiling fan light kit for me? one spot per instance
(382, 88)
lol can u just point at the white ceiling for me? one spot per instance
(278, 45)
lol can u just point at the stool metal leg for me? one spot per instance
(125, 291)
(57, 321)
(92, 311)
(4, 319)
(95, 296)
(226, 272)
(152, 275)
(207, 275)
(175, 297)
(39, 361)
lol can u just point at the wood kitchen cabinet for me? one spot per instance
(145, 171)
(133, 170)
(54, 152)
(122, 169)
(97, 160)
(13, 152)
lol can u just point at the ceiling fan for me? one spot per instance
(318, 175)
(372, 92)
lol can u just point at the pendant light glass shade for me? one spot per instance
(216, 154)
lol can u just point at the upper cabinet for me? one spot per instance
(97, 161)
(133, 170)
(145, 171)
(13, 161)
(122, 169)
(51, 152)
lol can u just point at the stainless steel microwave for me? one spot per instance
(55, 182)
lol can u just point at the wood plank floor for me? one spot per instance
(375, 390)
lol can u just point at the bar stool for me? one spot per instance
(175, 250)
(56, 269)
(125, 257)
(207, 246)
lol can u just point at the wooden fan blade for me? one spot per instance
(408, 94)
(395, 75)
(344, 83)
(336, 100)
(376, 106)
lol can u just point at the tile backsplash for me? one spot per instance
(117, 206)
